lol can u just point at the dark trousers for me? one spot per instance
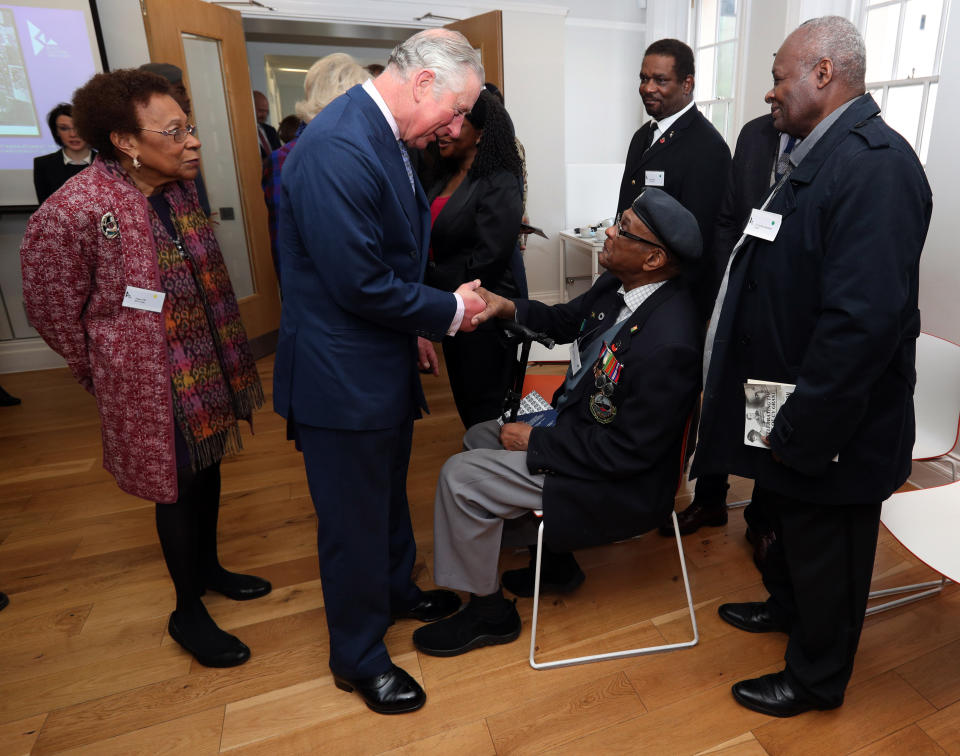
(358, 483)
(480, 368)
(818, 574)
(712, 490)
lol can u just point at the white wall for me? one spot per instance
(124, 37)
(533, 45)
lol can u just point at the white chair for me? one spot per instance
(926, 523)
(936, 400)
(629, 652)
(936, 405)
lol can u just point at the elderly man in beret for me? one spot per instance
(607, 469)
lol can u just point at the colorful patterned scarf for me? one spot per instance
(215, 381)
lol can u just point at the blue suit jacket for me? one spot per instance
(353, 241)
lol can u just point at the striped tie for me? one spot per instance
(406, 164)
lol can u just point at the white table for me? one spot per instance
(572, 243)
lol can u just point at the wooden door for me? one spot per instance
(207, 43)
(485, 33)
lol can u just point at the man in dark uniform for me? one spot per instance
(822, 294)
(607, 470)
(679, 151)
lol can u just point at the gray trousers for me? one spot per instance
(479, 489)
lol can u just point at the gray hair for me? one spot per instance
(445, 52)
(836, 38)
(326, 80)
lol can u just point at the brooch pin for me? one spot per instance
(109, 226)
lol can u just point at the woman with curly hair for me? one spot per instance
(122, 276)
(476, 207)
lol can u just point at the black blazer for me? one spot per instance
(696, 162)
(50, 173)
(606, 482)
(831, 306)
(753, 160)
(476, 233)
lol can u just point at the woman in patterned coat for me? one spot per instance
(123, 277)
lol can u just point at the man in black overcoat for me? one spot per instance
(822, 294)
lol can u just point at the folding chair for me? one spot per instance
(936, 404)
(629, 652)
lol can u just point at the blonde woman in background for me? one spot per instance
(326, 80)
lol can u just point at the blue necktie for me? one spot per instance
(783, 162)
(406, 164)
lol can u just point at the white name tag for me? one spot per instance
(575, 357)
(654, 178)
(764, 225)
(143, 299)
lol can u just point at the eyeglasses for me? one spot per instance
(63, 129)
(621, 232)
(178, 134)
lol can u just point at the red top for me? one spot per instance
(436, 207)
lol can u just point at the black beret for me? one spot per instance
(672, 223)
(168, 71)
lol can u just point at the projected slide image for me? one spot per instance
(18, 116)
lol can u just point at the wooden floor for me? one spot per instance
(87, 667)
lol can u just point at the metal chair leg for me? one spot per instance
(613, 654)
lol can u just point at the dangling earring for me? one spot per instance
(136, 162)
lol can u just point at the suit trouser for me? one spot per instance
(478, 489)
(358, 483)
(818, 574)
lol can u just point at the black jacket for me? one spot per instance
(475, 234)
(758, 146)
(606, 482)
(831, 306)
(696, 162)
(50, 173)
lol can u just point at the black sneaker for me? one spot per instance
(467, 630)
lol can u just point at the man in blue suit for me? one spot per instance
(353, 236)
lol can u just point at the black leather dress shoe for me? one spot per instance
(242, 587)
(7, 400)
(432, 606)
(773, 695)
(696, 516)
(232, 653)
(4, 600)
(752, 616)
(466, 631)
(393, 692)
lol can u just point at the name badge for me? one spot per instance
(654, 178)
(143, 299)
(764, 225)
(575, 357)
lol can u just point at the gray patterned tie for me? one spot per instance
(406, 164)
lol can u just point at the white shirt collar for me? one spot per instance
(667, 122)
(382, 104)
(85, 161)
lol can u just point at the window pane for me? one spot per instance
(705, 88)
(927, 123)
(708, 22)
(718, 117)
(877, 95)
(728, 20)
(918, 46)
(903, 110)
(881, 40)
(726, 54)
